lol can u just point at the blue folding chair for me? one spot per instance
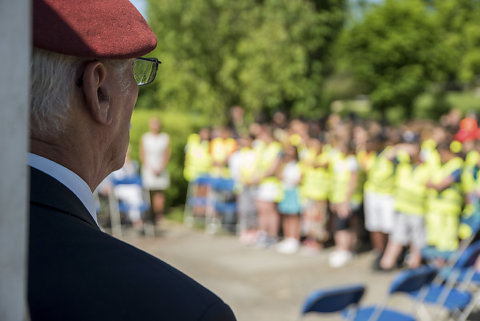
(340, 299)
(448, 289)
(407, 281)
(118, 206)
(222, 207)
(194, 201)
(334, 300)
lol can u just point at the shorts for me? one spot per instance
(379, 212)
(409, 229)
(268, 192)
(290, 204)
(342, 224)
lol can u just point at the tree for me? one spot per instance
(395, 53)
(458, 22)
(264, 55)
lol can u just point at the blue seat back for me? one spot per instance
(333, 300)
(412, 280)
(468, 257)
(222, 184)
(203, 180)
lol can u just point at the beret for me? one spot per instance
(91, 28)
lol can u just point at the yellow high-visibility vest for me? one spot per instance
(315, 183)
(429, 154)
(380, 176)
(410, 190)
(468, 174)
(444, 209)
(340, 179)
(197, 158)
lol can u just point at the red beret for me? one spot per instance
(91, 28)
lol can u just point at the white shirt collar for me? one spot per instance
(68, 178)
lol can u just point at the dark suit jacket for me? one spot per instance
(77, 272)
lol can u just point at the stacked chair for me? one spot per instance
(448, 291)
(436, 293)
(346, 299)
(219, 206)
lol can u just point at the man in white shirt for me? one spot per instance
(85, 78)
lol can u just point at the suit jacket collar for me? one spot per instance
(47, 191)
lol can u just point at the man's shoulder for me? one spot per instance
(73, 265)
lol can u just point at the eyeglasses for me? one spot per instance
(145, 70)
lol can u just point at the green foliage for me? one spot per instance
(178, 126)
(427, 105)
(457, 20)
(301, 55)
(394, 53)
(264, 55)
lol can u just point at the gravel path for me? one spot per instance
(262, 285)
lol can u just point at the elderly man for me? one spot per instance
(85, 78)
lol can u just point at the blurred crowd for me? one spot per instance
(135, 194)
(301, 185)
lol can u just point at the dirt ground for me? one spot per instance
(263, 285)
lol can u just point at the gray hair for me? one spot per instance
(52, 85)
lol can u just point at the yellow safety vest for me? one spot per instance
(315, 183)
(444, 209)
(362, 158)
(221, 149)
(380, 177)
(268, 155)
(249, 158)
(410, 190)
(468, 175)
(197, 158)
(430, 155)
(340, 179)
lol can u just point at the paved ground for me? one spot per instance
(261, 285)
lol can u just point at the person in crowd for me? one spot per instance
(314, 191)
(430, 140)
(222, 146)
(344, 171)
(154, 156)
(197, 155)
(247, 212)
(269, 189)
(86, 67)
(379, 200)
(198, 165)
(411, 177)
(289, 207)
(444, 201)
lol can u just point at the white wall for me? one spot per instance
(15, 47)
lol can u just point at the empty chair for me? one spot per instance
(339, 299)
(222, 206)
(130, 198)
(197, 202)
(334, 300)
(444, 290)
(407, 281)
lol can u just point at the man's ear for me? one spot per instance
(96, 93)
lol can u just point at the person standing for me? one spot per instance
(290, 207)
(154, 155)
(269, 191)
(86, 67)
(344, 202)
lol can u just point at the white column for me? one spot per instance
(15, 47)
